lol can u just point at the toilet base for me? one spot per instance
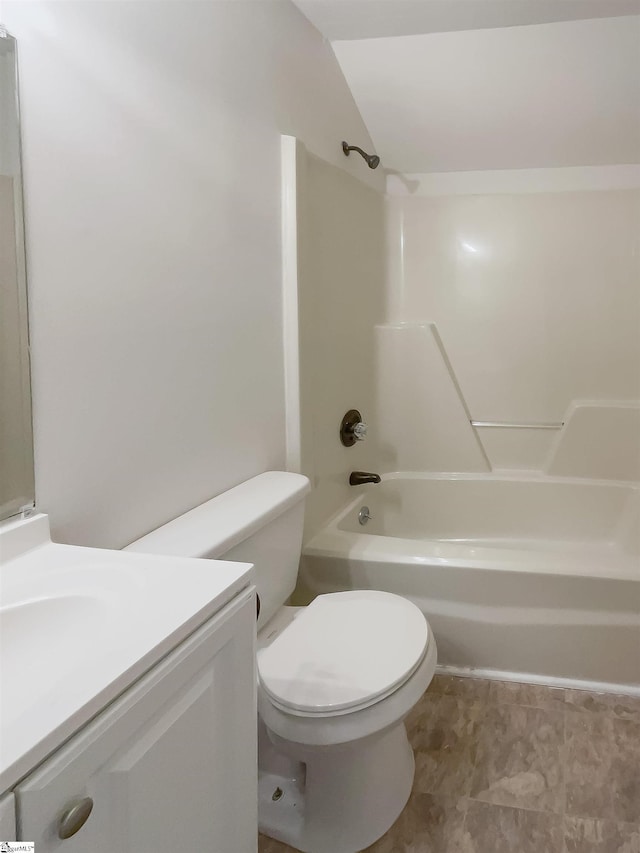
(337, 799)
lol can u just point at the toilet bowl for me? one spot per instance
(335, 679)
(335, 682)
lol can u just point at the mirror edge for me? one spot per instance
(25, 503)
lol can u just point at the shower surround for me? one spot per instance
(536, 300)
(491, 341)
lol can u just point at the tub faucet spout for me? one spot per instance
(357, 478)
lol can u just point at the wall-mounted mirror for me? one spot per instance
(16, 439)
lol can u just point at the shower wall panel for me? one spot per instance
(536, 297)
(341, 278)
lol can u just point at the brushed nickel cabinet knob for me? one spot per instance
(75, 817)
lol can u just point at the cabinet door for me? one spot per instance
(7, 818)
(171, 765)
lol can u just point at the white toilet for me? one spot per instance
(335, 679)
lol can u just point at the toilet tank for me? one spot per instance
(259, 521)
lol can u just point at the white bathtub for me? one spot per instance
(532, 576)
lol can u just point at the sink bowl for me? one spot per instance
(80, 625)
(42, 636)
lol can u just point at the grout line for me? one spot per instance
(517, 808)
(564, 768)
(464, 817)
(477, 728)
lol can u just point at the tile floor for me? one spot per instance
(513, 768)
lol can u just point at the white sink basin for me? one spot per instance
(65, 615)
(79, 625)
(42, 637)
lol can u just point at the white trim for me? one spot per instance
(567, 179)
(289, 236)
(544, 680)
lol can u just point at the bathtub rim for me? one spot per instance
(523, 475)
(331, 541)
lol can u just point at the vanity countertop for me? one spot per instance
(80, 625)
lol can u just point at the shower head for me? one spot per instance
(372, 160)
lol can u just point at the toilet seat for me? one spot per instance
(344, 652)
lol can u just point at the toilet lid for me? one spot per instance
(345, 649)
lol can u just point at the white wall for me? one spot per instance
(152, 157)
(9, 143)
(536, 297)
(341, 291)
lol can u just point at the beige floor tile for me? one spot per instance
(625, 771)
(532, 695)
(587, 835)
(519, 759)
(624, 707)
(269, 845)
(429, 824)
(445, 743)
(424, 709)
(501, 829)
(603, 767)
(472, 689)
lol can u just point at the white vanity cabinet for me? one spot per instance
(170, 765)
(7, 818)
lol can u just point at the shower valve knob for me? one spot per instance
(352, 428)
(360, 431)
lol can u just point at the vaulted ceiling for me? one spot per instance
(361, 19)
(442, 87)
